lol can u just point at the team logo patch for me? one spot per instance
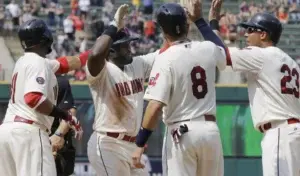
(40, 80)
(152, 80)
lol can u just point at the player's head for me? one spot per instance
(172, 19)
(36, 37)
(120, 52)
(262, 28)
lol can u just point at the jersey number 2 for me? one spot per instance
(197, 81)
(13, 87)
(288, 78)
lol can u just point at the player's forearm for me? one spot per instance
(63, 128)
(49, 109)
(69, 63)
(208, 33)
(152, 114)
(100, 50)
(151, 118)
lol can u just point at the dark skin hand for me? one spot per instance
(98, 54)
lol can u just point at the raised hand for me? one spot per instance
(215, 9)
(194, 9)
(119, 18)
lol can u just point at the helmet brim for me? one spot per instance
(125, 40)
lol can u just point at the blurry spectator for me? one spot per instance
(136, 4)
(294, 14)
(15, 12)
(74, 7)
(84, 7)
(69, 27)
(149, 29)
(108, 7)
(51, 14)
(282, 15)
(60, 14)
(34, 9)
(26, 14)
(148, 7)
(8, 24)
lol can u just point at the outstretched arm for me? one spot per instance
(101, 48)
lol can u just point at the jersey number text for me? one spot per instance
(287, 79)
(199, 81)
(13, 87)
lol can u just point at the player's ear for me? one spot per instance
(264, 36)
(112, 53)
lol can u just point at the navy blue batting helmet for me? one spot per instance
(123, 36)
(171, 17)
(35, 32)
(266, 22)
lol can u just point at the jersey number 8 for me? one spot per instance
(199, 80)
(287, 79)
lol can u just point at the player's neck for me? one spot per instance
(266, 44)
(177, 40)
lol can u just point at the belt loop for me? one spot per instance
(121, 136)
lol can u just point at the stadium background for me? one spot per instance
(241, 143)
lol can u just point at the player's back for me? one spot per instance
(192, 66)
(25, 77)
(274, 91)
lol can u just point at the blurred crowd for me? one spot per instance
(287, 11)
(77, 23)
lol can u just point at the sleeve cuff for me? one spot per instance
(150, 97)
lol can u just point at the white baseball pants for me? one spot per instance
(112, 157)
(198, 153)
(25, 150)
(281, 151)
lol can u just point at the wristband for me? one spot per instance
(59, 113)
(111, 31)
(142, 137)
(214, 24)
(83, 57)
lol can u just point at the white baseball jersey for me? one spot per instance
(32, 73)
(118, 95)
(273, 83)
(183, 78)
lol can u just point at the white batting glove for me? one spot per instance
(119, 18)
(75, 126)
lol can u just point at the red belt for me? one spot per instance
(211, 118)
(268, 126)
(23, 120)
(125, 138)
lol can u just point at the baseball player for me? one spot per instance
(116, 81)
(182, 85)
(24, 134)
(273, 89)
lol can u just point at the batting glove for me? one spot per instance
(119, 18)
(75, 126)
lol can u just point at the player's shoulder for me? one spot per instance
(32, 60)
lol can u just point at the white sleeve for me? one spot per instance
(148, 61)
(54, 64)
(160, 83)
(91, 79)
(36, 78)
(250, 59)
(220, 55)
